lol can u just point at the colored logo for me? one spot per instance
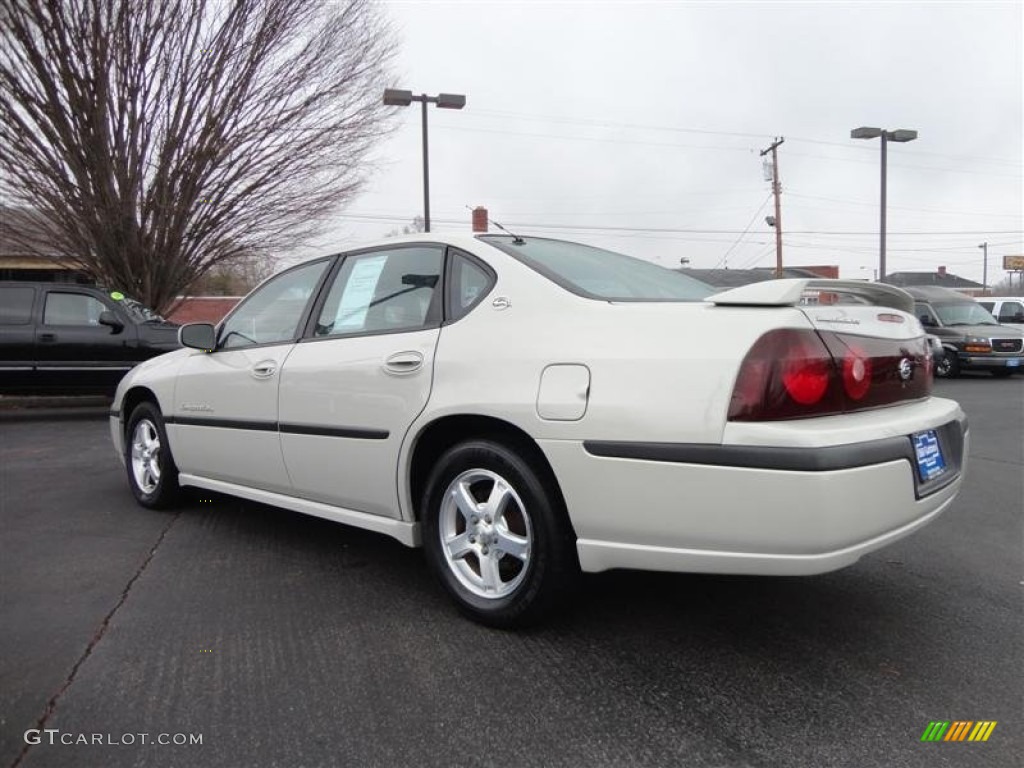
(958, 730)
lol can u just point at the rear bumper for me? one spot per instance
(602, 555)
(674, 514)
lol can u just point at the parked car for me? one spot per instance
(1008, 310)
(972, 338)
(525, 408)
(60, 338)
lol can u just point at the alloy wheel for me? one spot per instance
(146, 456)
(486, 533)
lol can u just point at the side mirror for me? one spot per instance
(109, 319)
(198, 336)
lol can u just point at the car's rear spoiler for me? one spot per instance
(787, 293)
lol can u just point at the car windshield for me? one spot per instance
(600, 274)
(963, 313)
(137, 310)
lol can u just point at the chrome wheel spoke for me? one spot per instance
(467, 505)
(496, 502)
(489, 573)
(459, 546)
(512, 544)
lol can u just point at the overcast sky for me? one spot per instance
(638, 126)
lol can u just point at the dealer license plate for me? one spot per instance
(930, 463)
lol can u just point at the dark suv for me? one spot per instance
(58, 338)
(971, 337)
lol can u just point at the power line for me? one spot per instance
(694, 230)
(725, 256)
(846, 201)
(602, 139)
(703, 131)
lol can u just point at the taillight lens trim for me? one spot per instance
(794, 373)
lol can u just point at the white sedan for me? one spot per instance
(527, 408)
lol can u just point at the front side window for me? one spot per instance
(383, 291)
(16, 304)
(272, 314)
(925, 315)
(599, 274)
(72, 309)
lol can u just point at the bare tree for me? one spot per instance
(1008, 285)
(156, 139)
(416, 226)
(234, 278)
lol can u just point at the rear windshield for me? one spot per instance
(599, 274)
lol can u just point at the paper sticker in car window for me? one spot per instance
(359, 289)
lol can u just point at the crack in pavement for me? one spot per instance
(51, 705)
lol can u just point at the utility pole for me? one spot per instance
(984, 274)
(776, 190)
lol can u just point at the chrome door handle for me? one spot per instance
(264, 370)
(404, 362)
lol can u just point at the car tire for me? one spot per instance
(949, 366)
(497, 535)
(1002, 373)
(152, 473)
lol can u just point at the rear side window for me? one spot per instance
(72, 309)
(16, 304)
(383, 291)
(468, 283)
(1010, 312)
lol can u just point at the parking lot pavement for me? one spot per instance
(282, 640)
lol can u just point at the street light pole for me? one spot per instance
(398, 98)
(902, 135)
(984, 275)
(881, 197)
(426, 169)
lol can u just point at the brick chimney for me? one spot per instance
(479, 219)
(942, 271)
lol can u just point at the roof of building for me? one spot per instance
(938, 279)
(734, 278)
(202, 309)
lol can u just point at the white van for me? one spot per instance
(1008, 310)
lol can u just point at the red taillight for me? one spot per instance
(792, 374)
(785, 373)
(806, 378)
